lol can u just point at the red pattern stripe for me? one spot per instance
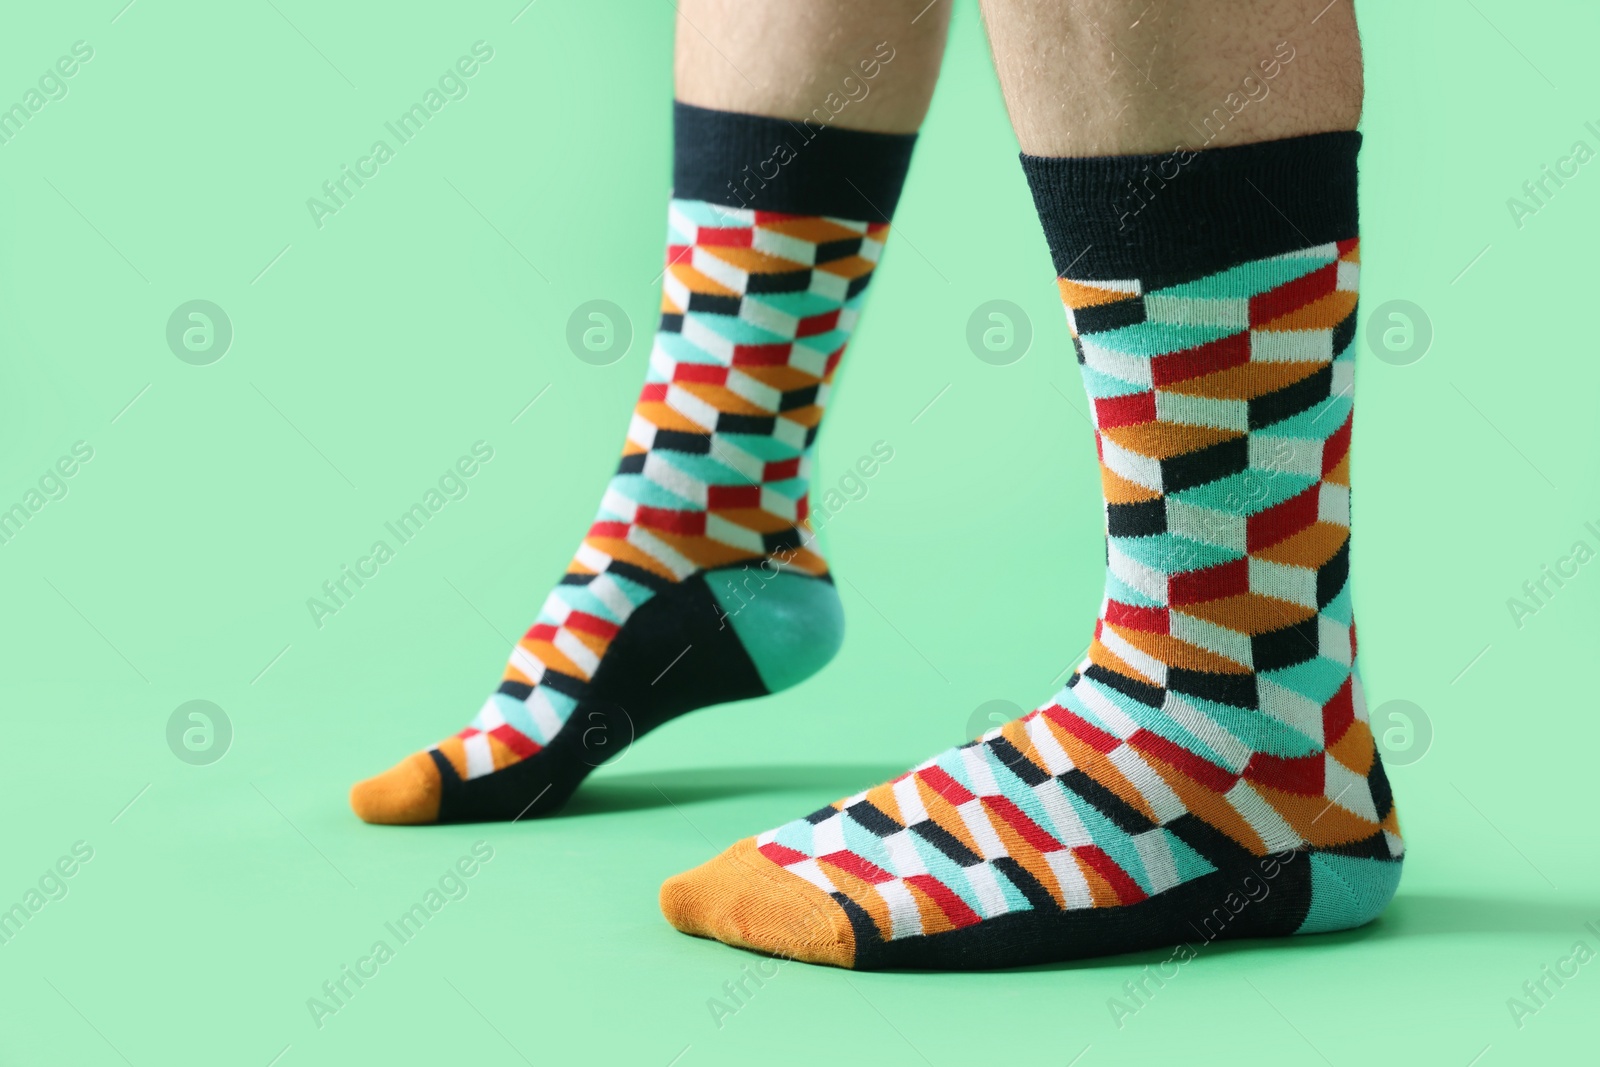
(861, 868)
(1026, 828)
(1127, 890)
(954, 908)
(1218, 779)
(1089, 734)
(1291, 296)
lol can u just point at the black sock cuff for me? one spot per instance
(1182, 214)
(768, 164)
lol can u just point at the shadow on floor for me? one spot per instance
(1428, 914)
(1411, 915)
(659, 789)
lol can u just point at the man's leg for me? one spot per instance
(698, 582)
(787, 60)
(1124, 77)
(1208, 771)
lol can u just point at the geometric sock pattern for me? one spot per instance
(1220, 682)
(1218, 715)
(756, 309)
(766, 270)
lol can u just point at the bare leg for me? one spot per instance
(786, 60)
(1122, 77)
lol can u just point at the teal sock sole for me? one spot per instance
(1348, 891)
(696, 643)
(791, 625)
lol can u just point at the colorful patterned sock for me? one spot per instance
(1208, 772)
(698, 582)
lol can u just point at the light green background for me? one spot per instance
(429, 312)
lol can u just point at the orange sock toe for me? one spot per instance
(406, 794)
(742, 898)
